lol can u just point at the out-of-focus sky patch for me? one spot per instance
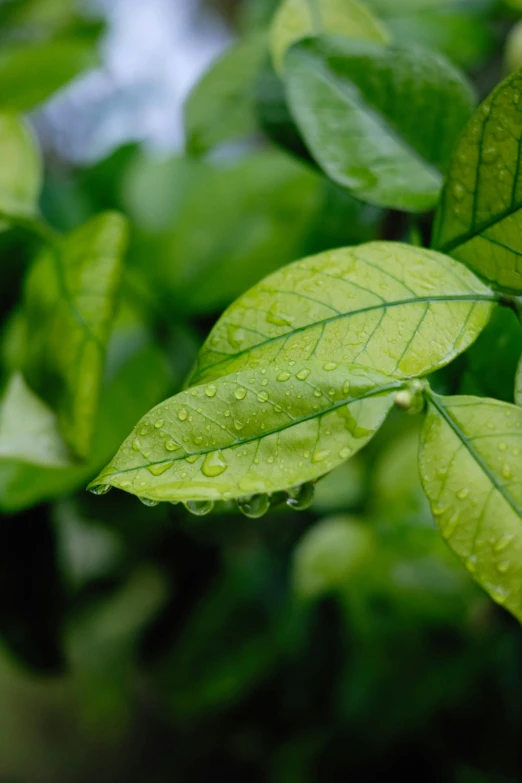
(153, 52)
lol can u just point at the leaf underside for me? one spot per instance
(471, 470)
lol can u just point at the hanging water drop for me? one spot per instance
(300, 498)
(148, 502)
(100, 489)
(199, 508)
(254, 506)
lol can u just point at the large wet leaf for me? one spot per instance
(31, 74)
(70, 301)
(250, 432)
(518, 385)
(221, 106)
(29, 428)
(471, 470)
(381, 121)
(297, 19)
(400, 310)
(21, 169)
(479, 220)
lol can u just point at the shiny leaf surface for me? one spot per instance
(471, 470)
(479, 220)
(257, 431)
(381, 121)
(400, 310)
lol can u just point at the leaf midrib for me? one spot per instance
(447, 247)
(380, 390)
(370, 308)
(481, 462)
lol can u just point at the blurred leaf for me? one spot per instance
(471, 471)
(29, 430)
(20, 173)
(251, 432)
(492, 360)
(460, 29)
(33, 20)
(70, 302)
(348, 301)
(29, 75)
(518, 385)
(391, 141)
(341, 489)
(256, 214)
(330, 554)
(297, 19)
(141, 381)
(479, 219)
(513, 49)
(101, 649)
(220, 106)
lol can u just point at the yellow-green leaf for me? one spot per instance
(471, 470)
(21, 169)
(251, 432)
(518, 385)
(296, 19)
(479, 220)
(70, 300)
(400, 310)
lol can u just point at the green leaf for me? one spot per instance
(479, 220)
(21, 170)
(70, 301)
(459, 29)
(29, 75)
(471, 470)
(381, 121)
(29, 429)
(518, 385)
(401, 310)
(221, 106)
(138, 384)
(298, 19)
(257, 431)
(256, 214)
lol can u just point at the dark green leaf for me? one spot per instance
(381, 121)
(480, 215)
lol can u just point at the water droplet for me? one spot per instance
(159, 424)
(211, 390)
(278, 318)
(300, 498)
(346, 387)
(159, 468)
(238, 425)
(148, 502)
(182, 414)
(462, 494)
(516, 97)
(100, 489)
(284, 376)
(506, 471)
(240, 393)
(262, 396)
(330, 366)
(502, 446)
(503, 566)
(254, 506)
(302, 375)
(198, 440)
(490, 154)
(136, 445)
(471, 563)
(192, 458)
(214, 464)
(171, 445)
(199, 507)
(459, 191)
(345, 452)
(503, 543)
(236, 336)
(320, 455)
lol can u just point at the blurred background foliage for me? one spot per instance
(145, 644)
